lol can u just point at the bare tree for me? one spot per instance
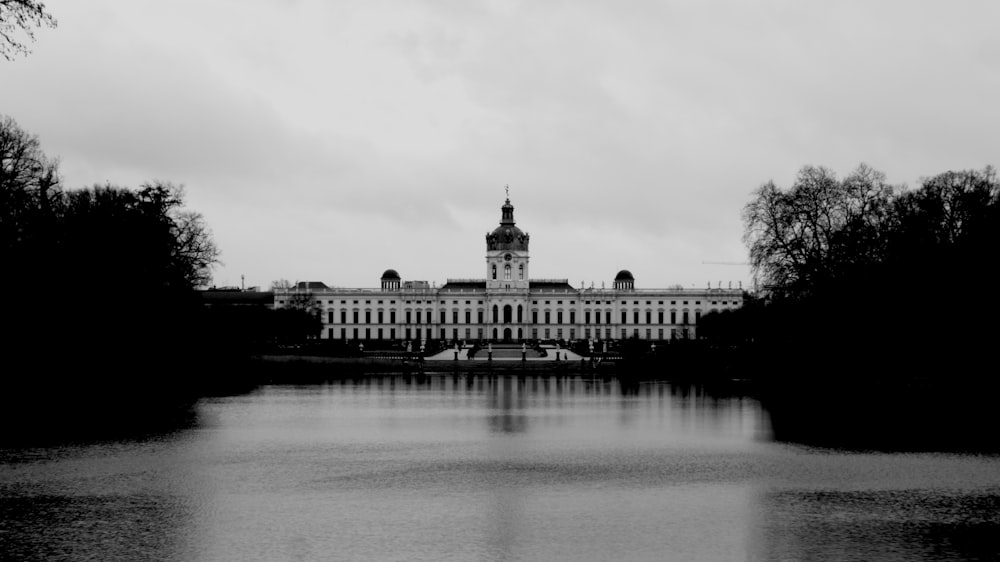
(29, 183)
(21, 17)
(194, 247)
(808, 233)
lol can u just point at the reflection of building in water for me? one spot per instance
(507, 305)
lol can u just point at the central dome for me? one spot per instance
(507, 236)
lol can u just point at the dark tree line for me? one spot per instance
(100, 285)
(859, 277)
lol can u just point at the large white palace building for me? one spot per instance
(507, 305)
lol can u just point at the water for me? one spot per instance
(478, 468)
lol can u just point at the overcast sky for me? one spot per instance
(330, 140)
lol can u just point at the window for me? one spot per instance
(534, 317)
(468, 318)
(685, 321)
(454, 318)
(355, 319)
(380, 320)
(659, 316)
(343, 317)
(329, 318)
(520, 272)
(673, 316)
(392, 333)
(407, 319)
(586, 317)
(506, 273)
(494, 273)
(697, 316)
(368, 317)
(559, 317)
(418, 316)
(479, 315)
(635, 316)
(572, 317)
(649, 316)
(624, 317)
(392, 318)
(443, 318)
(547, 318)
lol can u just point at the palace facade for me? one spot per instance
(506, 305)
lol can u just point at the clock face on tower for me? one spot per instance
(507, 257)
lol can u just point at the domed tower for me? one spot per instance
(507, 253)
(390, 280)
(624, 281)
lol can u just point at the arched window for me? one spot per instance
(506, 273)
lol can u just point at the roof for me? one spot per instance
(390, 274)
(624, 274)
(464, 285)
(550, 285)
(236, 297)
(310, 285)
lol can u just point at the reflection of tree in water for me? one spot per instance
(868, 524)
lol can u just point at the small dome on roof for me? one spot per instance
(390, 274)
(624, 275)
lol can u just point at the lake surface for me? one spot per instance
(489, 468)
